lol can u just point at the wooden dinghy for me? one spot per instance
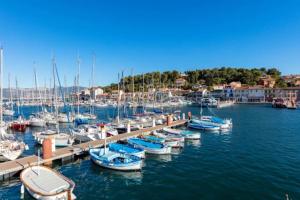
(44, 183)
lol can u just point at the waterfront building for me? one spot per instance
(180, 82)
(95, 91)
(249, 94)
(293, 79)
(267, 81)
(289, 93)
(197, 95)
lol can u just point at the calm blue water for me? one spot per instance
(259, 159)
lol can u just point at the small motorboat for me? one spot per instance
(86, 133)
(61, 139)
(114, 160)
(90, 116)
(221, 125)
(127, 149)
(150, 147)
(190, 135)
(202, 126)
(122, 129)
(7, 112)
(155, 139)
(217, 120)
(169, 136)
(64, 118)
(44, 183)
(81, 119)
(172, 131)
(36, 121)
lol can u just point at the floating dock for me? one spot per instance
(11, 168)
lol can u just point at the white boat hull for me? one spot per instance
(132, 167)
(60, 140)
(62, 196)
(40, 123)
(43, 183)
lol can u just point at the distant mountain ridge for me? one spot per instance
(30, 91)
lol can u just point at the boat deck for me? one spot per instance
(10, 168)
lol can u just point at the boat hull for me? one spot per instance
(11, 155)
(63, 195)
(18, 127)
(132, 167)
(203, 127)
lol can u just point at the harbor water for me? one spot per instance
(258, 159)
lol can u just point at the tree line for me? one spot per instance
(208, 77)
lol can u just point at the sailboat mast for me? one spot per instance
(1, 89)
(93, 90)
(78, 63)
(54, 88)
(18, 96)
(143, 101)
(10, 93)
(118, 110)
(124, 93)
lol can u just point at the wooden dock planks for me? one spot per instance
(9, 167)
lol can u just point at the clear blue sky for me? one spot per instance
(146, 35)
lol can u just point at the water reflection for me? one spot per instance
(194, 143)
(160, 158)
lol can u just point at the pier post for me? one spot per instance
(189, 115)
(153, 122)
(128, 127)
(47, 150)
(53, 144)
(103, 132)
(169, 120)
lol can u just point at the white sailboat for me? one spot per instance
(10, 149)
(37, 120)
(10, 110)
(61, 139)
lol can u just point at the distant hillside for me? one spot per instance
(27, 92)
(209, 77)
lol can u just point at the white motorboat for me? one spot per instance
(7, 112)
(35, 121)
(44, 183)
(61, 139)
(150, 147)
(86, 133)
(63, 118)
(188, 135)
(114, 160)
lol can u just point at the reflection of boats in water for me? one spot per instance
(160, 158)
(133, 175)
(176, 151)
(195, 143)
